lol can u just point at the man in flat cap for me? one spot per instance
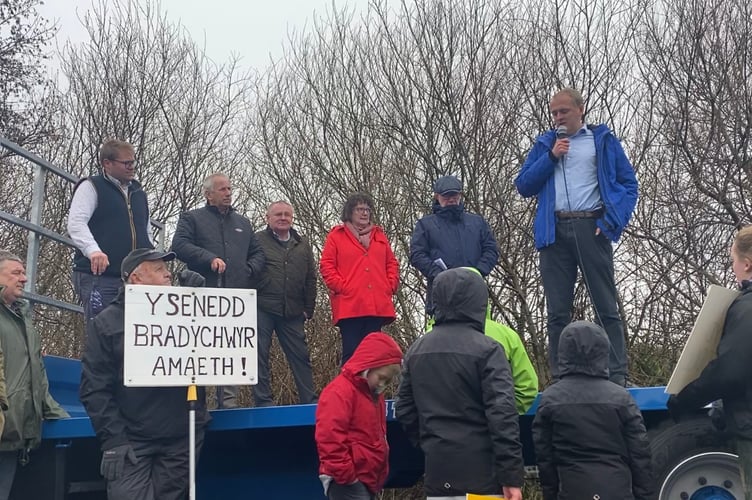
(451, 237)
(143, 431)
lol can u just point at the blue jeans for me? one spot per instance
(577, 246)
(102, 289)
(292, 340)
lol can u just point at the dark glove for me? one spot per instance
(717, 415)
(113, 461)
(191, 278)
(674, 408)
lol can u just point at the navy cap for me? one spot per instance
(139, 255)
(447, 185)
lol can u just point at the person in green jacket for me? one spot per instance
(523, 373)
(24, 391)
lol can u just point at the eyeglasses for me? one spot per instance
(125, 163)
(363, 210)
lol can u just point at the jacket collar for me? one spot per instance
(216, 211)
(20, 307)
(294, 235)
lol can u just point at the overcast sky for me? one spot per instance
(252, 29)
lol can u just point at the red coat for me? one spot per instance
(361, 282)
(351, 421)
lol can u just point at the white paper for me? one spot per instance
(180, 336)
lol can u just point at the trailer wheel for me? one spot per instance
(693, 461)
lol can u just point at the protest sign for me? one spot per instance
(179, 336)
(702, 342)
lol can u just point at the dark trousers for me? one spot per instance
(577, 245)
(161, 471)
(355, 491)
(95, 292)
(291, 335)
(354, 330)
(8, 465)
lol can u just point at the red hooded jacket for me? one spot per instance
(361, 281)
(351, 421)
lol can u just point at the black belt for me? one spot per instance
(579, 214)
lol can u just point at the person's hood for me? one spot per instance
(488, 304)
(375, 350)
(460, 296)
(583, 350)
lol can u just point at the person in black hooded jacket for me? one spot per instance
(590, 440)
(729, 375)
(456, 398)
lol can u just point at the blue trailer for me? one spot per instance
(270, 452)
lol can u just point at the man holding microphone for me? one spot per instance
(587, 191)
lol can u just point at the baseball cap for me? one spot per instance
(139, 255)
(446, 185)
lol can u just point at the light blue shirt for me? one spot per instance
(576, 175)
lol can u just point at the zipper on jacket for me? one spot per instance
(130, 219)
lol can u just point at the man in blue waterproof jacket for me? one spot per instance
(587, 191)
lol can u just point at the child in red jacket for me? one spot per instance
(351, 422)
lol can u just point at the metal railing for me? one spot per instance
(35, 228)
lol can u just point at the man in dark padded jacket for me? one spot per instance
(219, 244)
(143, 431)
(590, 440)
(456, 398)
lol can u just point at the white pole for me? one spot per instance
(192, 442)
(192, 452)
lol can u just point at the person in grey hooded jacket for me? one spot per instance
(456, 398)
(590, 440)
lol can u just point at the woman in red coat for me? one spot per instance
(351, 422)
(361, 272)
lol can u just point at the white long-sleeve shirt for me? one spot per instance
(82, 207)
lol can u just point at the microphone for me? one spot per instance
(561, 131)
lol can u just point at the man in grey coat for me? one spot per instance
(219, 244)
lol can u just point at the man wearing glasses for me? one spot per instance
(451, 237)
(108, 217)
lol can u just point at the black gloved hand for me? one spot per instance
(113, 461)
(191, 278)
(674, 408)
(717, 415)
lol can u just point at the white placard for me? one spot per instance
(702, 342)
(180, 336)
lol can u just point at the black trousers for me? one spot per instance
(161, 471)
(353, 330)
(577, 246)
(292, 339)
(348, 492)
